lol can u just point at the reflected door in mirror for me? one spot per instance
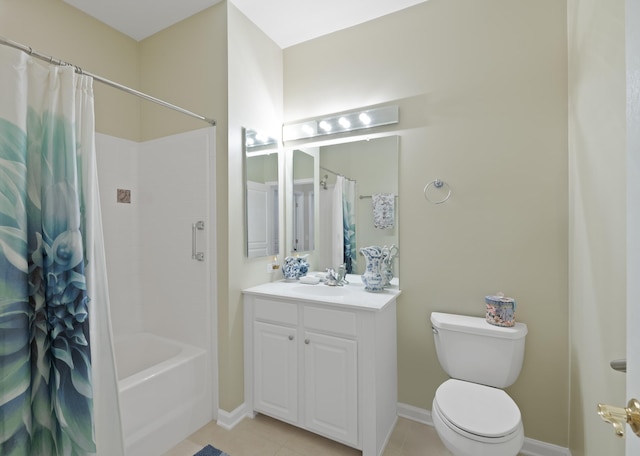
(304, 202)
(303, 219)
(262, 231)
(261, 161)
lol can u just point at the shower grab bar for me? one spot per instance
(619, 365)
(195, 255)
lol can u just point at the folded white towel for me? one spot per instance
(383, 210)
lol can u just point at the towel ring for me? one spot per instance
(437, 184)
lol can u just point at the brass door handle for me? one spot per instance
(618, 416)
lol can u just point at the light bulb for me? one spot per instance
(364, 118)
(344, 122)
(325, 125)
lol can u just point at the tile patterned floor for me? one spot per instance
(264, 436)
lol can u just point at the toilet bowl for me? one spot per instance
(472, 414)
(477, 420)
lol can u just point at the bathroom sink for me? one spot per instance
(320, 290)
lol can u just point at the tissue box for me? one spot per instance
(501, 310)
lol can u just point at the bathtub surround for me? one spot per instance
(161, 304)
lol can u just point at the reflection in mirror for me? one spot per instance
(261, 194)
(350, 174)
(303, 207)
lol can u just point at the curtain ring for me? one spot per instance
(437, 184)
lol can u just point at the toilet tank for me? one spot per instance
(473, 350)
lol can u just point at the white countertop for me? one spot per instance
(352, 295)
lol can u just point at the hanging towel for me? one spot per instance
(384, 213)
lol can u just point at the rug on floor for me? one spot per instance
(210, 451)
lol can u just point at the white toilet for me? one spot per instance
(471, 413)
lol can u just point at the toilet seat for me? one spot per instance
(479, 412)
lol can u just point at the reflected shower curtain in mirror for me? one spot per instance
(337, 226)
(58, 393)
(349, 222)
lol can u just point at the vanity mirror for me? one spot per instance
(261, 194)
(347, 174)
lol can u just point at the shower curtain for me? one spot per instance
(337, 225)
(349, 222)
(58, 391)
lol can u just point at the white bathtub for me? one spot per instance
(165, 392)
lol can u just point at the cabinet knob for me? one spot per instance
(291, 337)
(306, 341)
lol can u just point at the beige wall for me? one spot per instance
(482, 90)
(186, 65)
(53, 28)
(597, 225)
(255, 101)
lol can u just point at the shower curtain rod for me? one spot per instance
(337, 174)
(29, 50)
(332, 172)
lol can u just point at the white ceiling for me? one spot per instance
(287, 22)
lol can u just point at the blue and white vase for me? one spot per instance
(295, 267)
(372, 278)
(303, 266)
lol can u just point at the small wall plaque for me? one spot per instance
(124, 196)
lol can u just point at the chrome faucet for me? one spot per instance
(337, 279)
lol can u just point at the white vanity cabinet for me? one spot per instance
(276, 371)
(325, 366)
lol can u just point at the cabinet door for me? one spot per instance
(276, 371)
(331, 381)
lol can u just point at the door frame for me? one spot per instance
(632, 44)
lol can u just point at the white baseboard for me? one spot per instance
(537, 448)
(415, 414)
(531, 447)
(228, 420)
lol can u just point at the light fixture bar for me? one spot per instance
(340, 123)
(257, 141)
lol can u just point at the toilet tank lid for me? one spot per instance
(476, 325)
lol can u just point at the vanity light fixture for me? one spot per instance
(256, 140)
(340, 123)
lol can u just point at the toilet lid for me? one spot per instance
(478, 409)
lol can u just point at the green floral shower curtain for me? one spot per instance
(46, 151)
(349, 223)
